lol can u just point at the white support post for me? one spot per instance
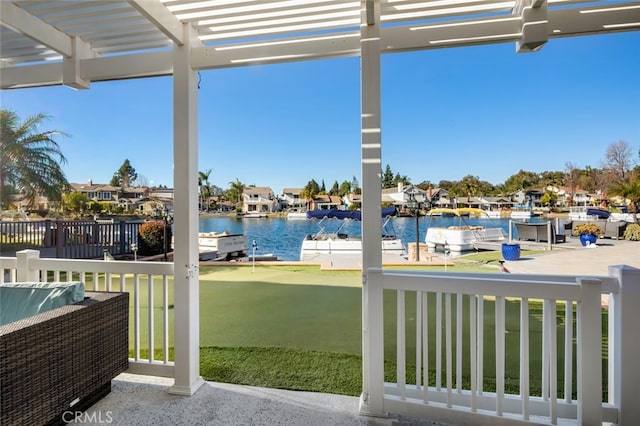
(372, 398)
(589, 353)
(371, 402)
(24, 271)
(185, 176)
(624, 375)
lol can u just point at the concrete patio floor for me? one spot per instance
(143, 400)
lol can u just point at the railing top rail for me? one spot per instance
(609, 283)
(489, 285)
(126, 267)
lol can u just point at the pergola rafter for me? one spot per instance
(37, 36)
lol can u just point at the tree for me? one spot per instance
(125, 176)
(204, 188)
(345, 188)
(404, 180)
(618, 161)
(335, 188)
(355, 186)
(387, 177)
(236, 188)
(310, 190)
(470, 185)
(521, 180)
(75, 201)
(323, 188)
(591, 179)
(549, 199)
(30, 160)
(571, 176)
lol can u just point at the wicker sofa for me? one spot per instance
(62, 361)
(612, 229)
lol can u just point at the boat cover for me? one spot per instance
(346, 214)
(600, 214)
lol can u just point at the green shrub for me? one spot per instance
(151, 238)
(632, 233)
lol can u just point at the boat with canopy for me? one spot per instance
(338, 242)
(463, 236)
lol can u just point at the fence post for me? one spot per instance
(60, 239)
(589, 352)
(623, 389)
(123, 238)
(24, 271)
(372, 399)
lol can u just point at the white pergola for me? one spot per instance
(80, 42)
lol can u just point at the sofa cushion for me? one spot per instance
(22, 300)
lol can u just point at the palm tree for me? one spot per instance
(203, 184)
(235, 191)
(30, 160)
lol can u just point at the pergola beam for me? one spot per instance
(436, 35)
(22, 22)
(161, 17)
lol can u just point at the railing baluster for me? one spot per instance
(449, 344)
(439, 341)
(500, 332)
(524, 357)
(480, 337)
(150, 325)
(165, 319)
(568, 351)
(459, 343)
(425, 345)
(136, 316)
(400, 346)
(545, 350)
(553, 365)
(473, 351)
(418, 339)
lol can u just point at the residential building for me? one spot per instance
(292, 199)
(325, 201)
(258, 199)
(401, 195)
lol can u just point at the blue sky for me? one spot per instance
(483, 110)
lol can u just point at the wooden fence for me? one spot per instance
(70, 239)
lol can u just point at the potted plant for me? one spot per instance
(588, 233)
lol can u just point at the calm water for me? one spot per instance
(283, 238)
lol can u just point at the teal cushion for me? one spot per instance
(22, 300)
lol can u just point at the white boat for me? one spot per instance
(297, 216)
(462, 237)
(491, 214)
(338, 243)
(221, 246)
(254, 215)
(592, 213)
(521, 214)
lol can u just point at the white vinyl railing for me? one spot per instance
(453, 338)
(150, 285)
